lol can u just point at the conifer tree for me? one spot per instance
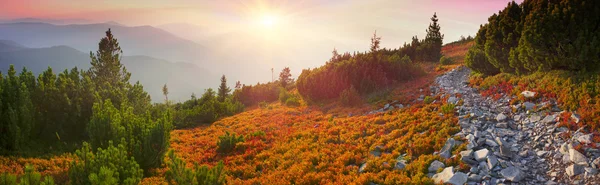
(223, 89)
(434, 40)
(285, 77)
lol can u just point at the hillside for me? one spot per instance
(139, 40)
(183, 78)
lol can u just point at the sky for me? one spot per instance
(397, 19)
(298, 34)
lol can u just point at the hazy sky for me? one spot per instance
(396, 20)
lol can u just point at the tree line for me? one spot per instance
(360, 73)
(538, 35)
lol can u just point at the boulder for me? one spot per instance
(452, 100)
(512, 174)
(528, 94)
(481, 155)
(445, 152)
(501, 117)
(444, 176)
(459, 178)
(549, 119)
(474, 178)
(492, 161)
(587, 139)
(435, 165)
(529, 105)
(362, 168)
(467, 157)
(574, 169)
(577, 157)
(400, 165)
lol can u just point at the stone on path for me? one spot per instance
(501, 117)
(574, 169)
(528, 94)
(444, 176)
(435, 165)
(577, 157)
(512, 174)
(445, 152)
(480, 155)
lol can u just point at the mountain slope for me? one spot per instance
(183, 79)
(140, 40)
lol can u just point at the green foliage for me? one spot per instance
(203, 175)
(223, 89)
(285, 77)
(539, 35)
(447, 108)
(350, 97)
(428, 99)
(8, 179)
(445, 61)
(146, 139)
(104, 177)
(254, 94)
(204, 110)
(105, 166)
(371, 71)
(228, 142)
(283, 95)
(30, 177)
(293, 101)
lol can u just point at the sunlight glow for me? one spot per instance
(269, 20)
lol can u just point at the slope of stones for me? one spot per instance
(519, 144)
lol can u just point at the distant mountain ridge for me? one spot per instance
(138, 40)
(183, 79)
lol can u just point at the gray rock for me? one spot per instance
(574, 169)
(444, 176)
(575, 117)
(435, 165)
(474, 178)
(452, 100)
(501, 117)
(512, 174)
(480, 155)
(387, 106)
(549, 119)
(528, 94)
(400, 165)
(399, 106)
(467, 157)
(492, 161)
(445, 152)
(362, 168)
(577, 157)
(491, 143)
(585, 138)
(529, 105)
(502, 125)
(459, 178)
(377, 151)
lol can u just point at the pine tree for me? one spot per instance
(434, 40)
(223, 89)
(107, 72)
(285, 77)
(375, 41)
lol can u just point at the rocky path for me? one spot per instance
(512, 144)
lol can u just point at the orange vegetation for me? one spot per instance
(57, 166)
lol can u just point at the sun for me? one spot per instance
(269, 20)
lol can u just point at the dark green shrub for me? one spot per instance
(292, 102)
(445, 61)
(8, 179)
(228, 142)
(350, 97)
(428, 99)
(448, 108)
(179, 174)
(115, 161)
